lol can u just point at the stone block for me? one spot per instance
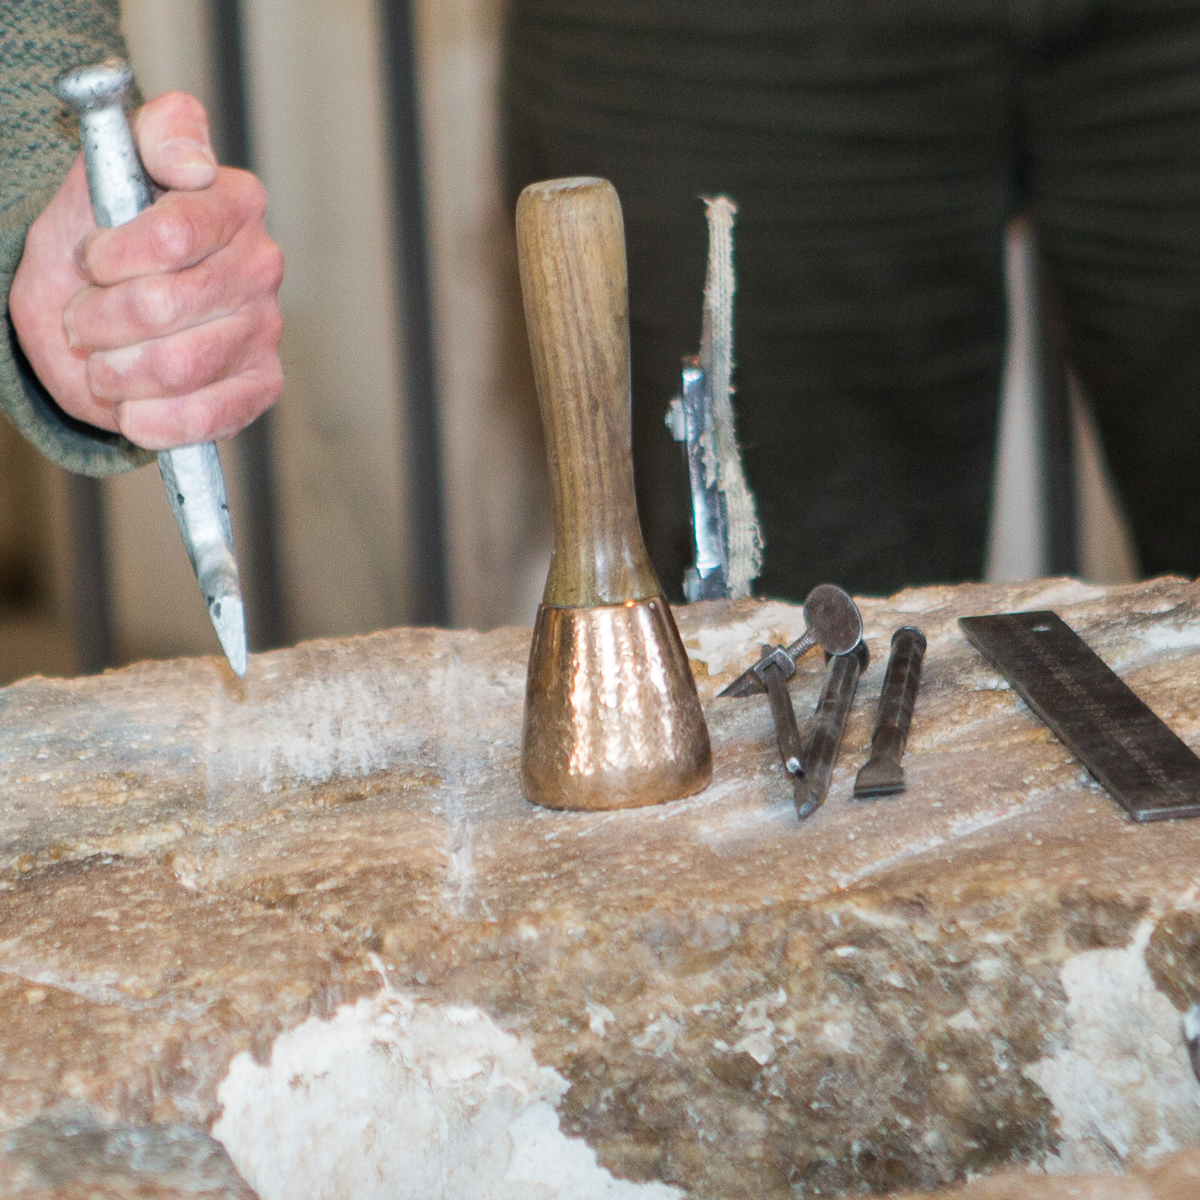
(300, 935)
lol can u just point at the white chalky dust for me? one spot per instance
(315, 731)
(1121, 1085)
(720, 646)
(394, 1098)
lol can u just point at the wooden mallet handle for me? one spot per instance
(571, 251)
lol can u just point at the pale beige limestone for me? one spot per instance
(204, 884)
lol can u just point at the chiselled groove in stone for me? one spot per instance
(918, 852)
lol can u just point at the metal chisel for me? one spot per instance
(192, 475)
(1129, 750)
(882, 773)
(829, 723)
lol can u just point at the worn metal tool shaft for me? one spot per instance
(707, 580)
(192, 475)
(829, 723)
(774, 670)
(882, 774)
(834, 624)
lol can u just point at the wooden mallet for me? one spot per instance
(612, 719)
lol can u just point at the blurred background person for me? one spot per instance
(876, 152)
(348, 113)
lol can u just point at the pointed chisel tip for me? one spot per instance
(229, 620)
(746, 684)
(807, 795)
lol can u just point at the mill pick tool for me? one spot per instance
(882, 774)
(829, 723)
(192, 475)
(1145, 766)
(834, 623)
(612, 718)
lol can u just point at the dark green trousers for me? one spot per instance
(876, 149)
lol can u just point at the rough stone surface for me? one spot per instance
(1176, 1179)
(311, 915)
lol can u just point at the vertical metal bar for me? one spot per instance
(430, 603)
(231, 130)
(90, 605)
(230, 126)
(1058, 442)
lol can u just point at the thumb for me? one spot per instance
(173, 140)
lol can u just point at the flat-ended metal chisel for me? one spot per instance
(882, 774)
(192, 475)
(829, 723)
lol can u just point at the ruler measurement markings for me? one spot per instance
(1131, 751)
(1099, 715)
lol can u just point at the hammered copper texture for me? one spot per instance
(612, 719)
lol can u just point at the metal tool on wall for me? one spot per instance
(1146, 767)
(728, 538)
(690, 420)
(612, 718)
(829, 723)
(192, 475)
(882, 774)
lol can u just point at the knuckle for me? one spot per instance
(271, 326)
(157, 302)
(273, 266)
(254, 196)
(200, 419)
(258, 390)
(272, 382)
(175, 365)
(173, 235)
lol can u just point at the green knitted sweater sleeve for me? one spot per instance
(39, 39)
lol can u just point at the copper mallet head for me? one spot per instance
(612, 719)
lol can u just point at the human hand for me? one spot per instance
(165, 329)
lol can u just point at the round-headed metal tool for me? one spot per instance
(192, 475)
(774, 669)
(834, 623)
